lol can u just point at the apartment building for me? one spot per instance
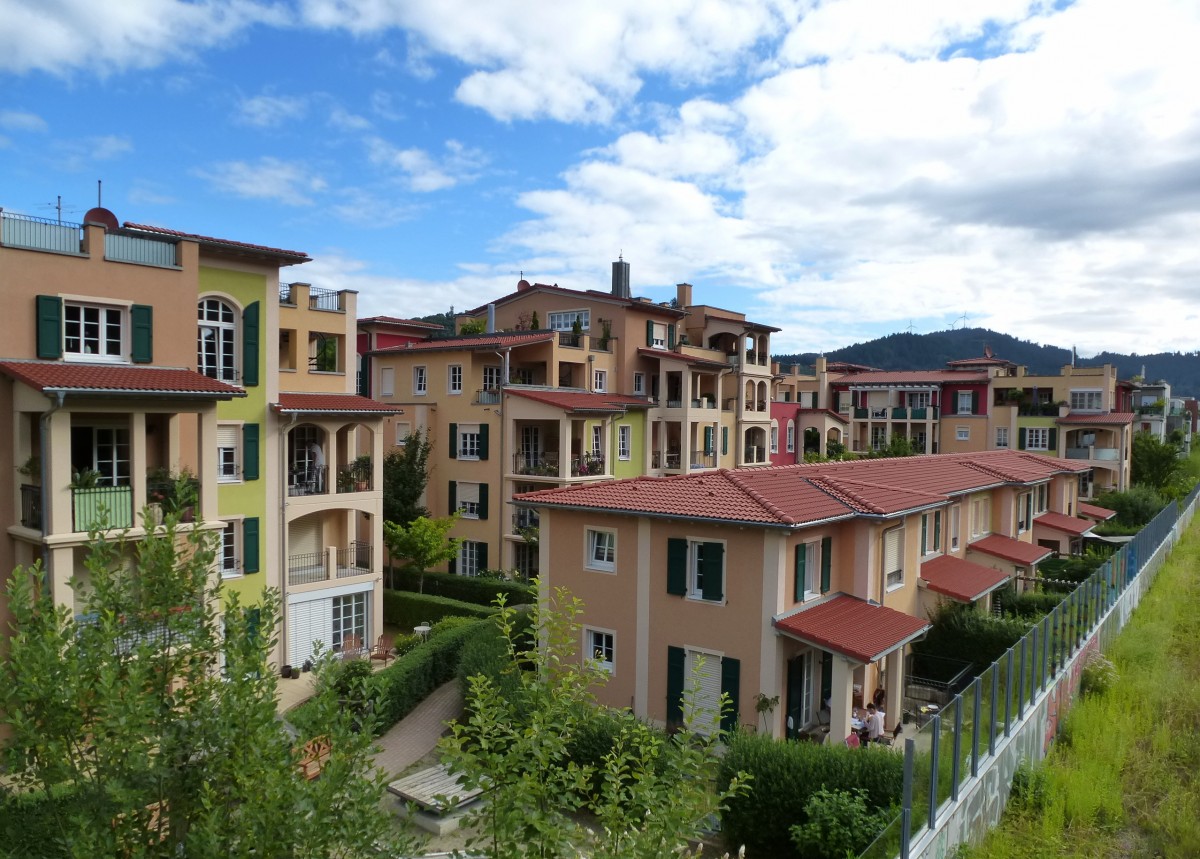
(807, 582)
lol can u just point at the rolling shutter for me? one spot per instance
(250, 434)
(826, 563)
(677, 558)
(250, 544)
(49, 326)
(308, 622)
(453, 441)
(704, 676)
(250, 340)
(304, 537)
(141, 317)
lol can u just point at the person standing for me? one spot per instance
(874, 723)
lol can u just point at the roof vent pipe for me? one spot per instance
(620, 278)
(491, 321)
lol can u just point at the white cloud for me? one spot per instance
(264, 111)
(76, 155)
(424, 172)
(19, 120)
(266, 179)
(343, 119)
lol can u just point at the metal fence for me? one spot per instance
(958, 766)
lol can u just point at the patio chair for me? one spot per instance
(382, 650)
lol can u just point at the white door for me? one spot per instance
(308, 623)
(704, 715)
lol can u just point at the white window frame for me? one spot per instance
(695, 583)
(104, 311)
(981, 516)
(1002, 437)
(812, 569)
(454, 379)
(624, 442)
(1087, 400)
(387, 381)
(658, 339)
(229, 549)
(774, 437)
(229, 456)
(468, 442)
(600, 381)
(1041, 499)
(1037, 438)
(917, 399)
(598, 441)
(1024, 512)
(349, 615)
(224, 336)
(466, 499)
(962, 433)
(600, 550)
(639, 384)
(564, 320)
(403, 431)
(791, 436)
(963, 403)
(420, 380)
(468, 558)
(954, 525)
(600, 648)
(893, 558)
(491, 377)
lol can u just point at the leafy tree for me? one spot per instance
(1134, 507)
(405, 476)
(423, 542)
(1157, 464)
(651, 795)
(146, 726)
(839, 824)
(473, 326)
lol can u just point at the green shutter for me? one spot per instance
(250, 339)
(1021, 438)
(974, 402)
(924, 529)
(708, 441)
(454, 441)
(453, 497)
(141, 317)
(714, 571)
(670, 336)
(826, 563)
(649, 332)
(724, 441)
(676, 661)
(250, 544)
(483, 441)
(798, 578)
(677, 558)
(731, 681)
(250, 451)
(1052, 441)
(481, 558)
(937, 531)
(483, 501)
(49, 326)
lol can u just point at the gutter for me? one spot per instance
(125, 392)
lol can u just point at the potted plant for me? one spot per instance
(361, 469)
(32, 469)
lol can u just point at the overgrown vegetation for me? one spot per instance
(422, 543)
(966, 633)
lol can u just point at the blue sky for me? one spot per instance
(842, 170)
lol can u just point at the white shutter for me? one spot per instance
(387, 382)
(466, 493)
(308, 623)
(705, 713)
(893, 543)
(304, 537)
(227, 435)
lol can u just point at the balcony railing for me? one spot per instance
(102, 506)
(354, 561)
(325, 299)
(166, 494)
(31, 506)
(670, 459)
(1030, 410)
(525, 519)
(487, 397)
(306, 568)
(674, 404)
(140, 250)
(287, 295)
(1104, 454)
(570, 339)
(587, 465)
(354, 479)
(42, 234)
(703, 460)
(537, 464)
(599, 344)
(307, 481)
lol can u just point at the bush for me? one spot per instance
(1134, 507)
(30, 823)
(1029, 788)
(450, 622)
(478, 590)
(1099, 675)
(839, 824)
(966, 633)
(408, 681)
(1031, 605)
(408, 610)
(785, 775)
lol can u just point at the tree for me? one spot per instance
(651, 794)
(405, 476)
(423, 542)
(146, 724)
(1157, 464)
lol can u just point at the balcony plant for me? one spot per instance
(32, 469)
(361, 469)
(173, 492)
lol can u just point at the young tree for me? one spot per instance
(423, 543)
(146, 724)
(405, 476)
(651, 795)
(1157, 464)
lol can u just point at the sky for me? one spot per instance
(842, 170)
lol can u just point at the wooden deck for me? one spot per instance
(434, 790)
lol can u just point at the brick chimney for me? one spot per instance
(683, 295)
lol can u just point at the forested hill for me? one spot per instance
(932, 351)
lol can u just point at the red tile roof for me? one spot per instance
(913, 377)
(1066, 524)
(827, 412)
(473, 342)
(986, 360)
(1095, 511)
(1008, 549)
(555, 289)
(289, 256)
(960, 579)
(332, 404)
(579, 401)
(1021, 467)
(395, 320)
(852, 627)
(116, 379)
(680, 356)
(1091, 418)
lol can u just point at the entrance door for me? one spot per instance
(800, 683)
(531, 446)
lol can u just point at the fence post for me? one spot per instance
(1045, 652)
(1021, 681)
(1008, 690)
(907, 798)
(935, 744)
(958, 729)
(992, 720)
(978, 725)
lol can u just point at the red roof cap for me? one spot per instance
(1095, 511)
(960, 579)
(290, 256)
(685, 358)
(332, 403)
(579, 401)
(1065, 523)
(119, 379)
(1008, 549)
(852, 627)
(1104, 418)
(913, 377)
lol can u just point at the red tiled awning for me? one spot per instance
(123, 380)
(340, 404)
(1008, 549)
(579, 401)
(960, 579)
(1066, 524)
(852, 627)
(1095, 511)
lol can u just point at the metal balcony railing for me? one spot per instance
(355, 560)
(325, 299)
(525, 519)
(670, 459)
(587, 465)
(307, 481)
(42, 234)
(31, 506)
(306, 568)
(537, 464)
(287, 294)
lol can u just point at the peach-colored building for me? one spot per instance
(805, 581)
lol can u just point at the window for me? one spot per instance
(323, 353)
(696, 569)
(791, 436)
(1024, 511)
(981, 517)
(598, 645)
(774, 437)
(639, 384)
(520, 376)
(472, 557)
(227, 554)
(601, 550)
(965, 402)
(1087, 401)
(962, 433)
(228, 468)
(565, 320)
(468, 441)
(1037, 438)
(1041, 499)
(931, 532)
(598, 441)
(403, 431)
(468, 500)
(215, 354)
(349, 621)
(893, 557)
(878, 437)
(1001, 436)
(624, 441)
(420, 381)
(808, 560)
(705, 676)
(658, 335)
(387, 382)
(955, 515)
(918, 399)
(455, 377)
(491, 378)
(93, 331)
(600, 381)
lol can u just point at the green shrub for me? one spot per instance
(1134, 507)
(1029, 788)
(785, 775)
(1099, 675)
(30, 823)
(450, 622)
(839, 824)
(472, 589)
(1032, 605)
(408, 610)
(966, 633)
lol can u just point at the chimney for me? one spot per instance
(683, 295)
(522, 285)
(491, 319)
(620, 278)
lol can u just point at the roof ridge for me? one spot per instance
(753, 493)
(835, 489)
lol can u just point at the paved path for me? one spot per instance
(415, 736)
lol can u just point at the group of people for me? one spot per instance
(872, 730)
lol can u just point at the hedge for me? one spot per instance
(1030, 604)
(964, 632)
(784, 775)
(407, 610)
(410, 679)
(30, 821)
(478, 590)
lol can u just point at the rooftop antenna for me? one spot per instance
(57, 206)
(99, 193)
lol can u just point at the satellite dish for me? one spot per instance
(103, 216)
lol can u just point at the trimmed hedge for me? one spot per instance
(407, 610)
(785, 775)
(1031, 604)
(30, 822)
(963, 632)
(478, 590)
(410, 679)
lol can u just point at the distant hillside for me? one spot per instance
(932, 351)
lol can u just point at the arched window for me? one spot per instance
(215, 353)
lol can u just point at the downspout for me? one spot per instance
(44, 477)
(504, 363)
(283, 561)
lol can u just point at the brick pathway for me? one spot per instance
(415, 736)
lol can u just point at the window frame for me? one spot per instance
(774, 440)
(352, 607)
(227, 356)
(564, 320)
(695, 575)
(462, 567)
(454, 379)
(958, 402)
(981, 508)
(931, 533)
(639, 384)
(598, 441)
(230, 547)
(420, 380)
(962, 433)
(125, 324)
(492, 377)
(791, 436)
(469, 441)
(387, 381)
(624, 442)
(1041, 433)
(234, 474)
(595, 650)
(600, 381)
(1024, 512)
(600, 540)
(1085, 395)
(467, 508)
(1002, 438)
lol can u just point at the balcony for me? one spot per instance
(354, 478)
(326, 299)
(570, 340)
(287, 295)
(140, 250)
(40, 234)
(536, 464)
(307, 481)
(703, 460)
(330, 565)
(587, 465)
(487, 397)
(174, 495)
(668, 460)
(98, 507)
(31, 506)
(1102, 454)
(525, 519)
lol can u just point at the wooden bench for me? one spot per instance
(435, 790)
(313, 759)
